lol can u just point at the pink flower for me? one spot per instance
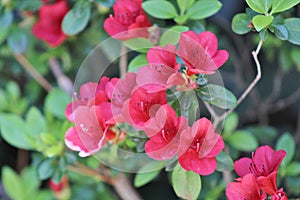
(118, 92)
(48, 28)
(279, 195)
(246, 188)
(129, 21)
(264, 165)
(162, 71)
(164, 131)
(90, 132)
(199, 146)
(90, 94)
(200, 52)
(141, 106)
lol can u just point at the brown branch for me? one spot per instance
(33, 72)
(286, 102)
(250, 87)
(62, 80)
(123, 60)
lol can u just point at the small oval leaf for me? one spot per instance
(261, 21)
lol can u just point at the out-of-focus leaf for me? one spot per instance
(17, 41)
(35, 122)
(224, 161)
(243, 141)
(12, 184)
(293, 169)
(286, 142)
(293, 27)
(56, 102)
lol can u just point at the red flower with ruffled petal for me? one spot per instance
(141, 106)
(162, 71)
(48, 28)
(199, 146)
(200, 52)
(264, 165)
(90, 132)
(129, 20)
(164, 131)
(246, 188)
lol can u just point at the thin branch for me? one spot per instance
(62, 80)
(250, 87)
(33, 72)
(123, 60)
(210, 110)
(283, 103)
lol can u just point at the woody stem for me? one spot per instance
(249, 88)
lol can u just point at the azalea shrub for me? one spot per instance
(133, 99)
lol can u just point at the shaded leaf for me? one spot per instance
(225, 163)
(293, 27)
(243, 141)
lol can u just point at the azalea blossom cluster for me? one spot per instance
(140, 100)
(258, 176)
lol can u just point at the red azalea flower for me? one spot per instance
(199, 146)
(141, 106)
(90, 94)
(264, 165)
(162, 71)
(164, 131)
(279, 195)
(200, 52)
(90, 132)
(129, 21)
(246, 188)
(118, 92)
(48, 28)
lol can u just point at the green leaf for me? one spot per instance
(56, 102)
(6, 18)
(243, 141)
(184, 4)
(293, 169)
(225, 163)
(286, 142)
(137, 62)
(280, 31)
(12, 184)
(256, 5)
(282, 5)
(35, 122)
(14, 132)
(203, 9)
(160, 9)
(293, 27)
(30, 182)
(32, 5)
(148, 172)
(231, 123)
(77, 18)
(17, 41)
(187, 185)
(261, 21)
(13, 90)
(240, 24)
(171, 36)
(218, 96)
(265, 134)
(138, 44)
(46, 168)
(106, 3)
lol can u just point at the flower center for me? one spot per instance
(167, 134)
(196, 145)
(143, 106)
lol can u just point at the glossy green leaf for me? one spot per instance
(184, 4)
(224, 162)
(218, 96)
(286, 142)
(160, 9)
(231, 123)
(137, 62)
(280, 31)
(240, 24)
(293, 169)
(12, 184)
(148, 172)
(261, 21)
(186, 184)
(293, 27)
(138, 44)
(56, 103)
(256, 5)
(77, 18)
(171, 36)
(46, 168)
(14, 131)
(35, 122)
(243, 141)
(17, 41)
(282, 5)
(203, 9)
